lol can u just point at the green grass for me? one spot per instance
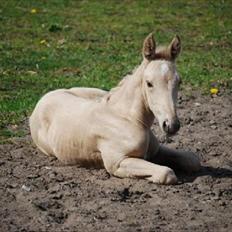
(95, 43)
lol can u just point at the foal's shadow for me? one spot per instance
(204, 171)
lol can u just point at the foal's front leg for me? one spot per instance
(184, 160)
(134, 167)
(120, 165)
(140, 168)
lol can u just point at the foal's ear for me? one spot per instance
(175, 47)
(149, 47)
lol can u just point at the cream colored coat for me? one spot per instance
(92, 127)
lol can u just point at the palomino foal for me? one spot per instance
(87, 126)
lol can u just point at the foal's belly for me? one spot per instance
(92, 159)
(74, 143)
(68, 133)
(74, 153)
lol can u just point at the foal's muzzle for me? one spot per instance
(171, 127)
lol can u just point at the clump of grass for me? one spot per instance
(60, 44)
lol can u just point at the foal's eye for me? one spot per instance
(149, 84)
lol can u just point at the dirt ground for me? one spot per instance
(38, 193)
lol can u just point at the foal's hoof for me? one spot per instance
(166, 176)
(169, 177)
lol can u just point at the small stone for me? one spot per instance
(14, 185)
(212, 122)
(52, 175)
(197, 104)
(214, 127)
(26, 188)
(157, 212)
(32, 176)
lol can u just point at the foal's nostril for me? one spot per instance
(172, 128)
(165, 126)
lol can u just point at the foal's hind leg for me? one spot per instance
(183, 160)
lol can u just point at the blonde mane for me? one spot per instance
(121, 83)
(162, 53)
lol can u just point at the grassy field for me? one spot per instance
(45, 45)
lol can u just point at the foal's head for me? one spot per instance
(160, 82)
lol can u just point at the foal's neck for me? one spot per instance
(129, 100)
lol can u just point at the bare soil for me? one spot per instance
(38, 193)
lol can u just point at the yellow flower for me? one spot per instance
(214, 90)
(43, 41)
(33, 11)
